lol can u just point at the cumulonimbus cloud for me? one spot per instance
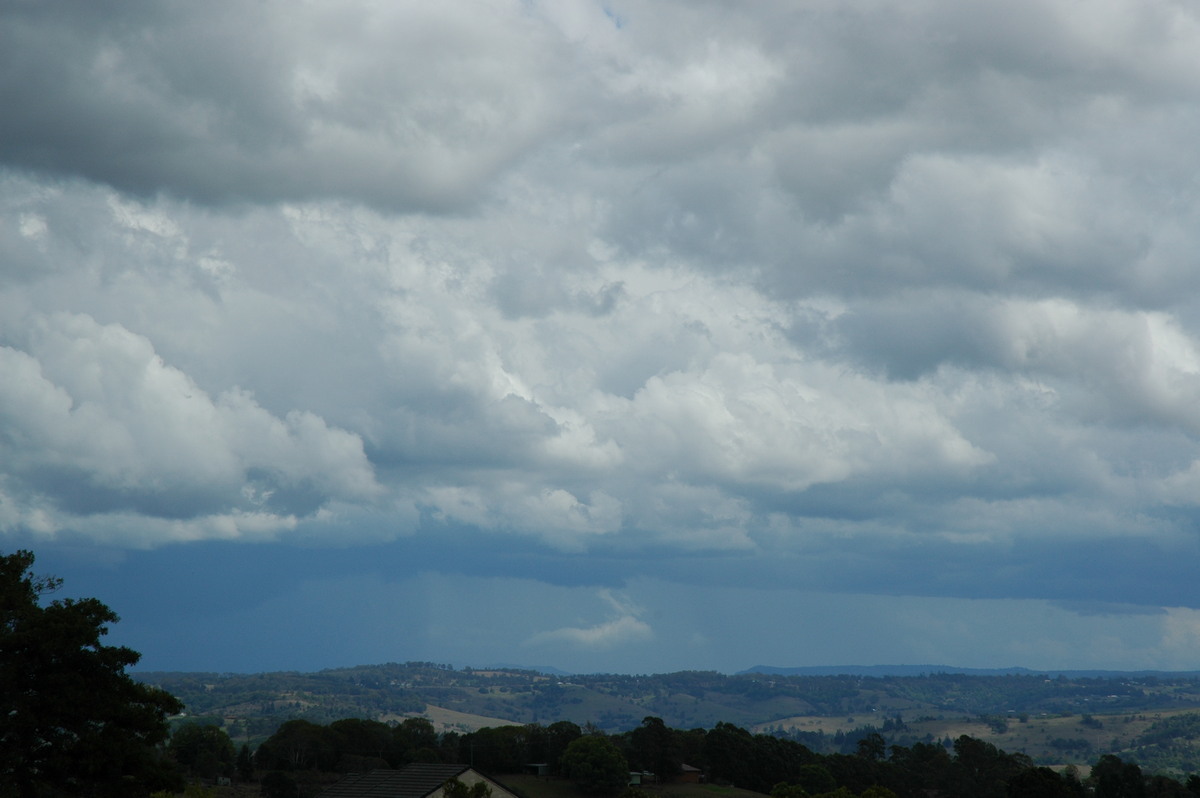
(820, 284)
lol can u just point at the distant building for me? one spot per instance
(415, 781)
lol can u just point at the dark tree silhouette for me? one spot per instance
(595, 765)
(71, 719)
(203, 749)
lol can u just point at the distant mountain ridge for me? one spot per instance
(882, 671)
(1056, 717)
(685, 699)
(549, 670)
(927, 670)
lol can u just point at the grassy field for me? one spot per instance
(1062, 739)
(444, 720)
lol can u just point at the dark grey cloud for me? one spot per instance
(406, 107)
(866, 299)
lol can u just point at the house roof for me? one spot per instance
(415, 781)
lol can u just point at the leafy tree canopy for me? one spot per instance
(205, 750)
(595, 765)
(71, 720)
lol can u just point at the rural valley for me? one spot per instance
(1054, 718)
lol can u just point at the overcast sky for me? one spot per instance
(614, 336)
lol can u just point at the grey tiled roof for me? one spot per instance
(415, 781)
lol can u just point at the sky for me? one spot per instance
(619, 336)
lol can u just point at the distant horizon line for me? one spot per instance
(765, 670)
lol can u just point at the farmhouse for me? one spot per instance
(414, 781)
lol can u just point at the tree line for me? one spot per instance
(600, 763)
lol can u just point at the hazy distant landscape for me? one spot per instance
(1055, 718)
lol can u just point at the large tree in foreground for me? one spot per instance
(72, 722)
(595, 765)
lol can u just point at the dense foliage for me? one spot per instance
(203, 750)
(595, 764)
(599, 763)
(72, 722)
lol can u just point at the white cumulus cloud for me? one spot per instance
(623, 627)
